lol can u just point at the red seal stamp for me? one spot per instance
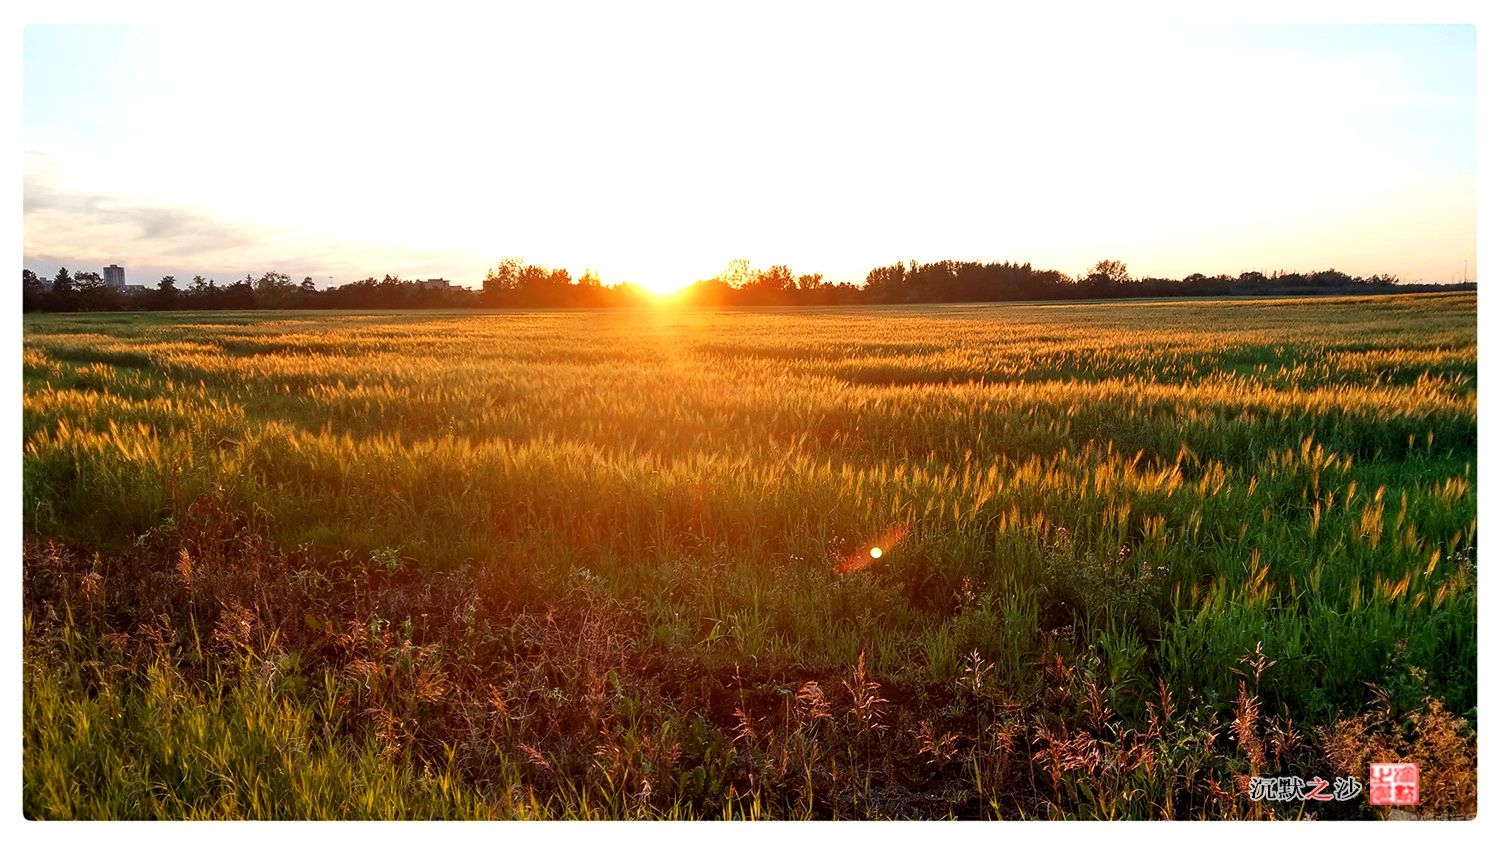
(1393, 784)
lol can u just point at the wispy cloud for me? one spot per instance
(79, 229)
(58, 220)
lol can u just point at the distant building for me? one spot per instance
(114, 276)
(435, 284)
(135, 288)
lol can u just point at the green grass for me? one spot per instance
(626, 526)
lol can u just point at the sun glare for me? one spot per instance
(665, 286)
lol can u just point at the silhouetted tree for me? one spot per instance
(709, 291)
(33, 292)
(94, 294)
(165, 296)
(516, 283)
(274, 290)
(883, 284)
(502, 281)
(1113, 271)
(1105, 279)
(768, 287)
(809, 282)
(240, 295)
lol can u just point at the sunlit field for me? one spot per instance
(621, 564)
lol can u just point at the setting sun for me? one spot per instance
(666, 286)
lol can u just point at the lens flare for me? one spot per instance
(883, 544)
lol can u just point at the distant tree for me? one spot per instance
(165, 297)
(1331, 278)
(273, 290)
(708, 291)
(241, 294)
(33, 292)
(94, 294)
(62, 294)
(533, 277)
(884, 284)
(737, 274)
(516, 283)
(391, 292)
(307, 294)
(771, 286)
(1105, 278)
(1114, 272)
(541, 286)
(501, 281)
(778, 278)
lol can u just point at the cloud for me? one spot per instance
(82, 229)
(60, 221)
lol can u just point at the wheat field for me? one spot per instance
(622, 564)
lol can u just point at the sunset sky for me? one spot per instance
(655, 143)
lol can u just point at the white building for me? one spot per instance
(114, 276)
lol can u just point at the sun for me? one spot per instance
(665, 286)
(662, 276)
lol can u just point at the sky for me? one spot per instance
(654, 143)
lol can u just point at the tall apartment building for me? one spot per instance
(114, 277)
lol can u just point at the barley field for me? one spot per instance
(624, 564)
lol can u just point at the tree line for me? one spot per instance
(514, 283)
